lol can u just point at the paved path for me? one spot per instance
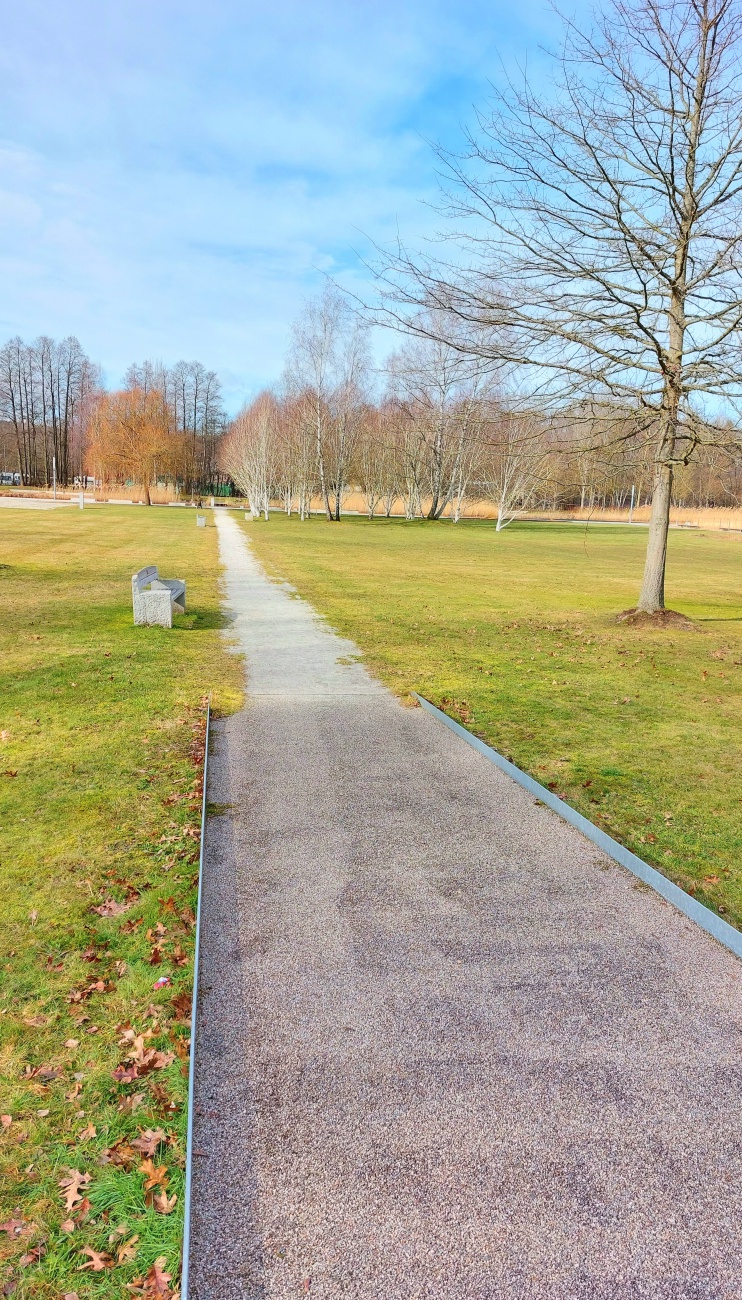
(446, 1049)
(33, 503)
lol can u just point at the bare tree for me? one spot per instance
(604, 255)
(513, 463)
(439, 392)
(249, 451)
(327, 372)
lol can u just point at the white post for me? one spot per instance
(631, 507)
(54, 476)
(82, 500)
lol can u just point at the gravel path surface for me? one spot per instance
(445, 1047)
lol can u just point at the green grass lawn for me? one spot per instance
(101, 746)
(514, 634)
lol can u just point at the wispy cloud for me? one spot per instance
(175, 177)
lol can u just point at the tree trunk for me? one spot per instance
(652, 597)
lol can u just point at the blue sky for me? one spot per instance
(176, 178)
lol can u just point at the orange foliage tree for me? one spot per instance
(131, 437)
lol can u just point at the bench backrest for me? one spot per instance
(144, 577)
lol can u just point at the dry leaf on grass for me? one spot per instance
(98, 1261)
(13, 1227)
(111, 908)
(154, 1175)
(72, 1187)
(36, 1022)
(6, 1120)
(164, 1204)
(68, 1226)
(149, 1140)
(156, 1285)
(127, 1250)
(90, 1131)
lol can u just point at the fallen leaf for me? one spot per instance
(90, 1131)
(121, 1154)
(120, 968)
(181, 1004)
(33, 1256)
(155, 1285)
(35, 1022)
(70, 1295)
(710, 880)
(72, 1043)
(13, 1227)
(154, 1175)
(179, 956)
(33, 916)
(163, 1203)
(111, 908)
(6, 1120)
(72, 1187)
(127, 1250)
(42, 1114)
(99, 1260)
(149, 1140)
(67, 1227)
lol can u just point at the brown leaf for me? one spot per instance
(155, 956)
(155, 1285)
(6, 1120)
(35, 1022)
(179, 956)
(121, 1154)
(163, 1203)
(168, 904)
(72, 1187)
(188, 917)
(111, 908)
(99, 1260)
(154, 1175)
(162, 1060)
(67, 1227)
(90, 1131)
(13, 1227)
(33, 1256)
(127, 1250)
(182, 1005)
(149, 1140)
(125, 1073)
(131, 1103)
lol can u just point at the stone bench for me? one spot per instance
(156, 599)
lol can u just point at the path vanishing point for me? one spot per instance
(445, 1047)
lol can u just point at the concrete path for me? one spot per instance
(446, 1048)
(33, 503)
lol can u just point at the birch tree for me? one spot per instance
(599, 228)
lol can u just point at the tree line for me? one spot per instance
(57, 422)
(433, 432)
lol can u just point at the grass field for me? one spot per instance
(101, 747)
(514, 635)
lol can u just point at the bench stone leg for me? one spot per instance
(153, 609)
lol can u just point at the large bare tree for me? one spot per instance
(599, 230)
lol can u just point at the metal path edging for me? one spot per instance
(194, 1008)
(695, 911)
